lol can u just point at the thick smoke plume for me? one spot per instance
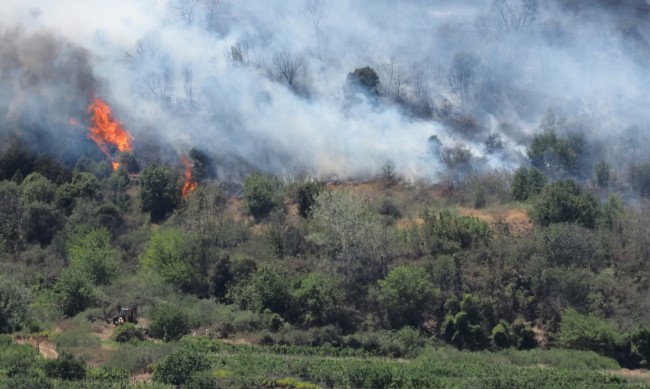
(262, 84)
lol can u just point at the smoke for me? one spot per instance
(208, 74)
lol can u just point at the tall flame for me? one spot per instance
(105, 130)
(190, 183)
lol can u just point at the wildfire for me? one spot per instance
(105, 130)
(190, 183)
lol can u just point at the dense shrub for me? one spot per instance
(168, 323)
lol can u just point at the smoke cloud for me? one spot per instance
(260, 84)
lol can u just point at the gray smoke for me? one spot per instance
(259, 84)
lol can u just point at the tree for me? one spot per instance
(66, 367)
(12, 233)
(261, 194)
(307, 194)
(317, 296)
(14, 306)
(604, 174)
(159, 191)
(41, 222)
(584, 332)
(362, 80)
(167, 255)
(179, 365)
(407, 295)
(289, 67)
(563, 201)
(462, 75)
(640, 178)
(90, 251)
(36, 188)
(75, 290)
(350, 232)
(168, 323)
(266, 289)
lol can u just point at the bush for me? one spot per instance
(179, 366)
(159, 191)
(66, 367)
(14, 306)
(563, 201)
(406, 294)
(128, 332)
(582, 332)
(168, 323)
(261, 194)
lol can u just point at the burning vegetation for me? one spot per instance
(107, 132)
(190, 182)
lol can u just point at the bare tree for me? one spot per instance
(184, 10)
(211, 10)
(315, 9)
(395, 78)
(145, 48)
(507, 17)
(188, 82)
(462, 75)
(288, 66)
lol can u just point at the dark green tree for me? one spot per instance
(14, 306)
(179, 365)
(261, 194)
(66, 367)
(168, 323)
(406, 296)
(12, 233)
(36, 188)
(364, 80)
(564, 201)
(159, 191)
(640, 178)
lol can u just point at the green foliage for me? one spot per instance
(563, 201)
(168, 323)
(446, 233)
(306, 197)
(316, 296)
(11, 217)
(639, 340)
(128, 332)
(527, 183)
(66, 367)
(179, 366)
(167, 255)
(349, 232)
(41, 222)
(75, 289)
(465, 329)
(36, 188)
(16, 360)
(500, 336)
(604, 174)
(549, 153)
(159, 191)
(406, 295)
(90, 251)
(14, 306)
(639, 176)
(266, 289)
(586, 332)
(262, 193)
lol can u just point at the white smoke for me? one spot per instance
(167, 69)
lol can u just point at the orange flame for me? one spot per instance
(190, 183)
(105, 130)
